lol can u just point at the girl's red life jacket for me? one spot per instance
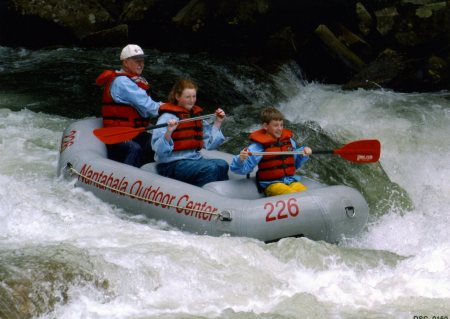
(117, 114)
(273, 167)
(188, 135)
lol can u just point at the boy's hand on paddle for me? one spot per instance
(306, 151)
(220, 115)
(243, 155)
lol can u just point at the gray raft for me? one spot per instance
(233, 207)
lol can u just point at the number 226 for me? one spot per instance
(281, 209)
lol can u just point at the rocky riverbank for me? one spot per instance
(398, 44)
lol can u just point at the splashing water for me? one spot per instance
(66, 254)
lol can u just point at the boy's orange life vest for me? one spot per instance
(117, 114)
(188, 135)
(272, 167)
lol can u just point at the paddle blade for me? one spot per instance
(362, 151)
(114, 135)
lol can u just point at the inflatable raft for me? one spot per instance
(233, 207)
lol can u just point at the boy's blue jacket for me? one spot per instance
(247, 166)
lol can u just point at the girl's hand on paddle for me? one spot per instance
(306, 151)
(243, 155)
(171, 126)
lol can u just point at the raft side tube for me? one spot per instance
(291, 215)
(345, 211)
(321, 213)
(76, 139)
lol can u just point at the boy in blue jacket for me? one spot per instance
(276, 173)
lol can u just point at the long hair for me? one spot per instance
(179, 87)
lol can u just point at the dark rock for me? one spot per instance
(115, 36)
(436, 75)
(393, 70)
(18, 29)
(338, 49)
(136, 10)
(365, 21)
(80, 17)
(382, 72)
(331, 40)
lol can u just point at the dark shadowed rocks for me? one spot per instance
(399, 44)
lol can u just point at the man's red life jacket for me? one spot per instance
(188, 135)
(117, 114)
(272, 167)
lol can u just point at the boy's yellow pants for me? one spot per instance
(281, 188)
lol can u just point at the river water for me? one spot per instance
(66, 254)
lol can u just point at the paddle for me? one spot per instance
(117, 134)
(363, 151)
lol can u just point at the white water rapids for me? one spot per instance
(66, 254)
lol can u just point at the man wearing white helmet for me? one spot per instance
(126, 102)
